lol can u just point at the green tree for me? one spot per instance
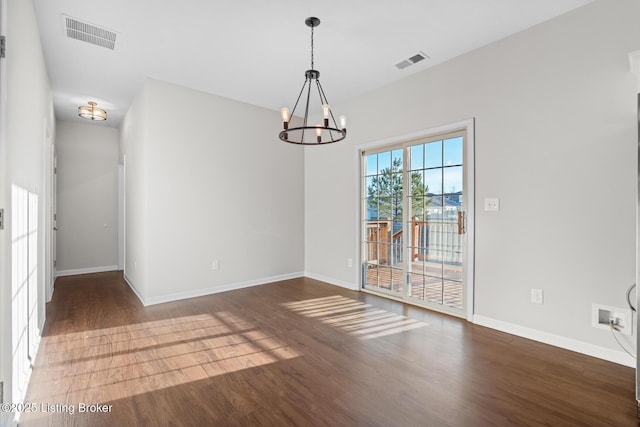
(385, 192)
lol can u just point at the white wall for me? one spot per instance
(218, 185)
(133, 149)
(87, 197)
(26, 119)
(556, 125)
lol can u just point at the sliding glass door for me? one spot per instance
(414, 221)
(383, 224)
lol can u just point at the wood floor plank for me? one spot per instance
(303, 353)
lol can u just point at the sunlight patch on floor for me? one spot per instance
(354, 317)
(114, 363)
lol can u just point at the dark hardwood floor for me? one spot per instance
(302, 353)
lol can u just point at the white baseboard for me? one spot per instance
(616, 356)
(331, 281)
(87, 270)
(133, 288)
(213, 289)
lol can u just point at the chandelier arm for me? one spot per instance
(306, 110)
(298, 100)
(323, 98)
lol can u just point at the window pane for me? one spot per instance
(453, 270)
(433, 154)
(384, 277)
(386, 254)
(418, 259)
(396, 196)
(417, 157)
(372, 275)
(434, 208)
(454, 200)
(396, 183)
(452, 294)
(417, 207)
(384, 162)
(371, 164)
(397, 279)
(453, 179)
(433, 289)
(371, 252)
(433, 181)
(384, 207)
(370, 186)
(453, 151)
(371, 234)
(397, 160)
(398, 252)
(451, 208)
(417, 286)
(417, 183)
(371, 208)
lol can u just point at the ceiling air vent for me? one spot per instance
(411, 60)
(89, 33)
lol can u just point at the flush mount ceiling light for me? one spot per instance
(92, 112)
(315, 134)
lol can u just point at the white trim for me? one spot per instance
(133, 288)
(462, 124)
(416, 303)
(87, 270)
(121, 215)
(213, 289)
(470, 191)
(332, 281)
(615, 356)
(467, 125)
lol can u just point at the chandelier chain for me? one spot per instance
(312, 48)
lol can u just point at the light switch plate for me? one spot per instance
(492, 204)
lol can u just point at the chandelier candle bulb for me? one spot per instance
(325, 112)
(343, 123)
(285, 117)
(319, 133)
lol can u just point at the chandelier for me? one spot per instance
(315, 134)
(92, 112)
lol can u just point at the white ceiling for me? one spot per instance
(256, 51)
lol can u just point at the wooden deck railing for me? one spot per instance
(430, 241)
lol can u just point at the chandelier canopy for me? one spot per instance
(315, 134)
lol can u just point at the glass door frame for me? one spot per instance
(404, 142)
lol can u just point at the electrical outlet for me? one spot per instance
(215, 265)
(537, 296)
(603, 316)
(492, 204)
(349, 262)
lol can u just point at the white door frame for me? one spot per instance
(5, 261)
